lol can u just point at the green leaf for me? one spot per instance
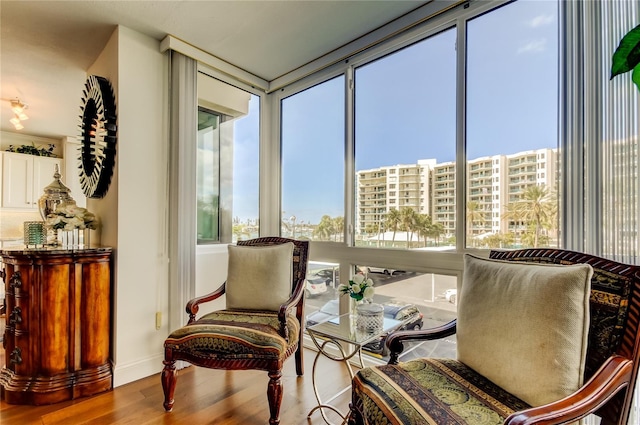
(635, 76)
(627, 55)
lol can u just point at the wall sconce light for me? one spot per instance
(18, 109)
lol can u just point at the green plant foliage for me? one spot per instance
(33, 150)
(627, 56)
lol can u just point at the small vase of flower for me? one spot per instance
(360, 290)
(71, 225)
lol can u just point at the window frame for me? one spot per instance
(344, 253)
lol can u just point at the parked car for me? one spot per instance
(385, 270)
(315, 286)
(329, 310)
(451, 295)
(393, 310)
(399, 311)
(329, 275)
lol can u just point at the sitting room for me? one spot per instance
(306, 212)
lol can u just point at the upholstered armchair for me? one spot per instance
(544, 336)
(262, 324)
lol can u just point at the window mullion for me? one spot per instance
(461, 146)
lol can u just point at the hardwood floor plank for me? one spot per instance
(202, 397)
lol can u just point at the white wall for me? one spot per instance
(211, 272)
(133, 212)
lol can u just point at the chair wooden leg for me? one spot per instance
(354, 417)
(169, 378)
(299, 359)
(274, 395)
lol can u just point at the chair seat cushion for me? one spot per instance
(236, 335)
(430, 391)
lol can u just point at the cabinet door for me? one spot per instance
(17, 180)
(43, 170)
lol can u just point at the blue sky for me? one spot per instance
(405, 108)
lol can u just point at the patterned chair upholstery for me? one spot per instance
(243, 339)
(446, 391)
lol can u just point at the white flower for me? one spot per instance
(368, 292)
(343, 288)
(70, 216)
(355, 288)
(359, 278)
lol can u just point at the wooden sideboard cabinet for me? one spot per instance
(57, 338)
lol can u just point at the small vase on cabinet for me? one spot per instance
(74, 239)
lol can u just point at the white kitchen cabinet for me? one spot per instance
(24, 178)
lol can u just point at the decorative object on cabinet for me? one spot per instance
(98, 137)
(34, 234)
(34, 150)
(55, 194)
(71, 225)
(58, 325)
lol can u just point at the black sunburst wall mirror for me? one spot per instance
(98, 127)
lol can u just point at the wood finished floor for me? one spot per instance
(202, 396)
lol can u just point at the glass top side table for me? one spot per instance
(341, 333)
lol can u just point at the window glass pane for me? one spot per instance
(208, 176)
(420, 300)
(313, 162)
(227, 162)
(512, 115)
(246, 158)
(405, 126)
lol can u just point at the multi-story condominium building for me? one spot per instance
(429, 187)
(524, 169)
(397, 186)
(443, 193)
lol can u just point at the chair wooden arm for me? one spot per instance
(395, 339)
(293, 301)
(192, 306)
(614, 375)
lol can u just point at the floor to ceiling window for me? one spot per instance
(512, 127)
(405, 146)
(450, 142)
(208, 176)
(313, 162)
(227, 182)
(246, 153)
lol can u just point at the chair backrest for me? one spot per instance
(614, 310)
(300, 255)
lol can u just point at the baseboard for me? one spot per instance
(129, 372)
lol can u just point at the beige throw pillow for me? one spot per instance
(259, 278)
(524, 326)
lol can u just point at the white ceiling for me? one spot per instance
(47, 46)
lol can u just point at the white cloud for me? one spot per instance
(540, 21)
(539, 45)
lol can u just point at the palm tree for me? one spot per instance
(324, 229)
(474, 215)
(536, 207)
(370, 228)
(338, 227)
(393, 222)
(373, 229)
(436, 230)
(239, 230)
(423, 226)
(408, 222)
